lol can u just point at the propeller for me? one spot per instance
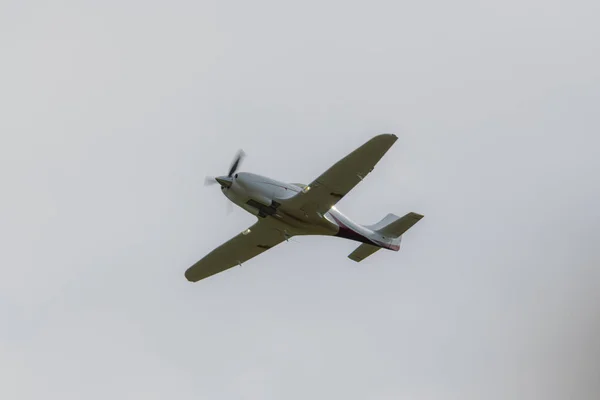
(225, 181)
(235, 165)
(236, 162)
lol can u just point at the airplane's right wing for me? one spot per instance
(255, 240)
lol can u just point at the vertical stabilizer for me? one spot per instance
(387, 234)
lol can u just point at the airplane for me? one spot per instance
(285, 210)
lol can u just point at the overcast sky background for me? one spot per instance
(113, 112)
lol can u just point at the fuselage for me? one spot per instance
(269, 198)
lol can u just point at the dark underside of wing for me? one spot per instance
(255, 240)
(331, 186)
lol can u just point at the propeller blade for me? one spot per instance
(209, 181)
(229, 207)
(236, 163)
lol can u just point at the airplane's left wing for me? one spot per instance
(260, 237)
(332, 185)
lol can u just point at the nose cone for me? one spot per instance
(224, 181)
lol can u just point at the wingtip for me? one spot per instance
(389, 135)
(189, 276)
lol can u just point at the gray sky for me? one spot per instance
(113, 112)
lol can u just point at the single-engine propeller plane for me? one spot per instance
(285, 210)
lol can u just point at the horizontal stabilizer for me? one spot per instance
(363, 251)
(400, 225)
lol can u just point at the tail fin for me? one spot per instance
(388, 219)
(388, 234)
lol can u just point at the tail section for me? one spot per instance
(393, 226)
(387, 233)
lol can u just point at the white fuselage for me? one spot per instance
(266, 198)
